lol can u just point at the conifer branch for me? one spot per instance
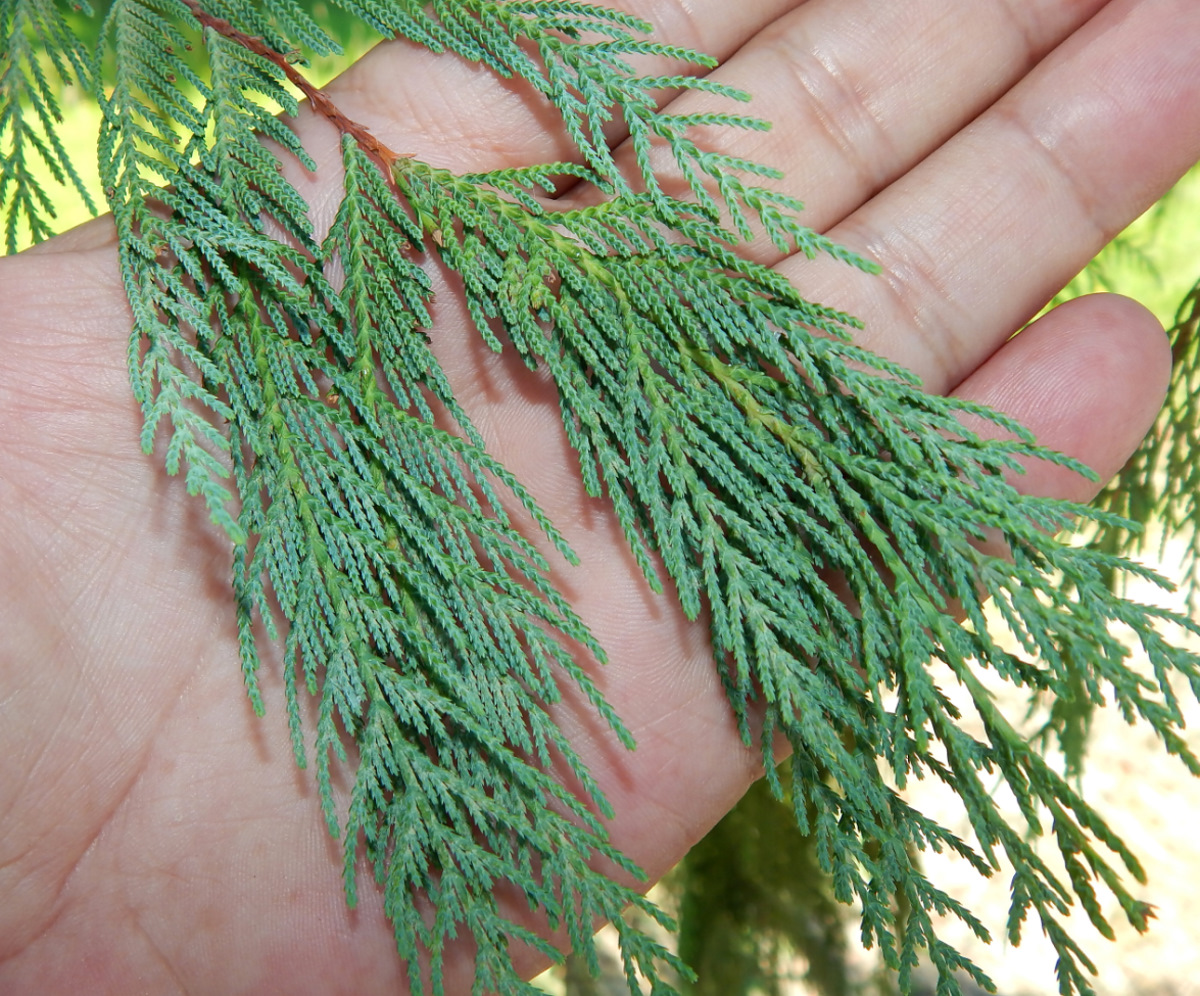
(824, 512)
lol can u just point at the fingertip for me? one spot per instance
(1088, 379)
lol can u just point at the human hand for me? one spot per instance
(155, 836)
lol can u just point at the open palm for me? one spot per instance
(156, 837)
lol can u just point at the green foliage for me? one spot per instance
(1179, 426)
(748, 894)
(823, 511)
(418, 616)
(1158, 486)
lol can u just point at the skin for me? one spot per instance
(155, 837)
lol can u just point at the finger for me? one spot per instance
(861, 90)
(1088, 380)
(979, 236)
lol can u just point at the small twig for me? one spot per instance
(320, 102)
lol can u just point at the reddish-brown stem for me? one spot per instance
(318, 100)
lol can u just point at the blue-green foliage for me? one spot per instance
(828, 515)
(422, 621)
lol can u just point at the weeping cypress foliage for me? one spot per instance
(821, 509)
(751, 895)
